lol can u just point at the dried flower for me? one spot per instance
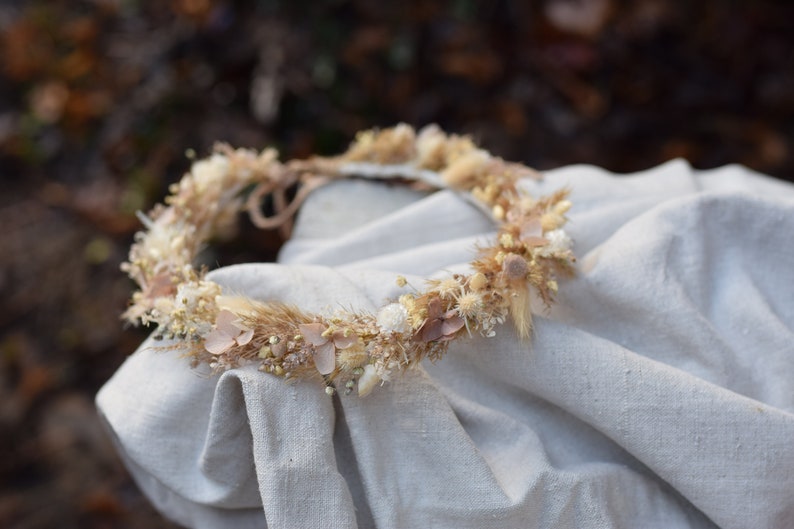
(439, 325)
(326, 341)
(393, 318)
(430, 149)
(448, 288)
(558, 243)
(469, 305)
(551, 221)
(207, 172)
(531, 233)
(465, 170)
(228, 332)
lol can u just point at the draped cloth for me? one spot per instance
(657, 392)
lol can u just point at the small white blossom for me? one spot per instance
(393, 318)
(188, 295)
(208, 171)
(559, 242)
(384, 370)
(157, 244)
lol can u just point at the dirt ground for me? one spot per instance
(99, 101)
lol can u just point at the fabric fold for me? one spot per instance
(657, 392)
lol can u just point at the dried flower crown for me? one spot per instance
(353, 350)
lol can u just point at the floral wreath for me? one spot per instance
(348, 349)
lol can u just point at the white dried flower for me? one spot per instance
(559, 242)
(188, 295)
(384, 369)
(393, 318)
(208, 171)
(157, 244)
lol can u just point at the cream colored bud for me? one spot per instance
(430, 149)
(562, 207)
(463, 171)
(478, 281)
(527, 203)
(551, 221)
(369, 379)
(506, 240)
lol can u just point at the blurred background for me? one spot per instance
(100, 101)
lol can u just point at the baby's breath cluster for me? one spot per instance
(349, 351)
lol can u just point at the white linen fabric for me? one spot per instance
(657, 392)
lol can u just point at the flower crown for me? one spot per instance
(353, 350)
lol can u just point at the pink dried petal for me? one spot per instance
(217, 342)
(343, 342)
(434, 309)
(534, 241)
(432, 330)
(451, 325)
(313, 333)
(531, 228)
(225, 323)
(160, 285)
(245, 337)
(325, 358)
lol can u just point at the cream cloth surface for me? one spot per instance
(657, 392)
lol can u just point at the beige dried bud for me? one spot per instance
(463, 172)
(551, 221)
(430, 147)
(478, 281)
(369, 379)
(506, 240)
(562, 207)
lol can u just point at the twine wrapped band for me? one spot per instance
(354, 351)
